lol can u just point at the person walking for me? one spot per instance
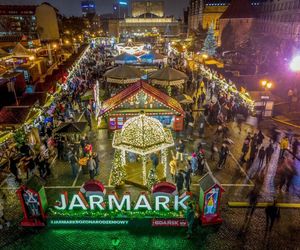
(261, 157)
(284, 145)
(194, 163)
(272, 213)
(260, 138)
(188, 179)
(97, 161)
(87, 115)
(179, 180)
(180, 147)
(190, 217)
(253, 197)
(269, 152)
(91, 164)
(213, 150)
(13, 168)
(245, 148)
(173, 168)
(73, 160)
(224, 151)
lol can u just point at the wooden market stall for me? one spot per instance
(142, 97)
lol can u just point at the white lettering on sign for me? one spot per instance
(180, 202)
(63, 203)
(77, 202)
(164, 203)
(113, 202)
(142, 202)
(96, 201)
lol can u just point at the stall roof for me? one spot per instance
(207, 182)
(113, 102)
(30, 99)
(15, 115)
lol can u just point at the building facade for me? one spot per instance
(212, 12)
(148, 8)
(18, 20)
(88, 7)
(195, 14)
(236, 24)
(280, 18)
(141, 27)
(30, 21)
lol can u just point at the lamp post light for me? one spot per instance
(295, 64)
(267, 85)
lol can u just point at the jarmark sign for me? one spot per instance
(112, 202)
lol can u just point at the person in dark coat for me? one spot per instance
(179, 180)
(188, 179)
(253, 199)
(261, 156)
(245, 148)
(14, 169)
(272, 213)
(190, 217)
(269, 152)
(224, 151)
(260, 138)
(87, 115)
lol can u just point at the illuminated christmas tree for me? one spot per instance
(118, 172)
(152, 179)
(210, 44)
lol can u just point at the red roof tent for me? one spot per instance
(239, 9)
(133, 89)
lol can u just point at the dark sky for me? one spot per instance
(72, 7)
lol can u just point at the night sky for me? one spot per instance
(72, 7)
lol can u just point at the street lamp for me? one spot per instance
(266, 84)
(295, 64)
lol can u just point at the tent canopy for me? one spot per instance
(152, 56)
(125, 58)
(168, 76)
(21, 51)
(123, 74)
(71, 128)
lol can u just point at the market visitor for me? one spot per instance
(272, 213)
(173, 168)
(224, 151)
(91, 165)
(180, 147)
(179, 180)
(190, 217)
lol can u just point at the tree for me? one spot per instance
(210, 44)
(118, 172)
(152, 179)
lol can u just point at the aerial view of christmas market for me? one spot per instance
(158, 124)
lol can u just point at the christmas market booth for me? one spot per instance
(142, 96)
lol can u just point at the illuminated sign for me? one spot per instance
(112, 202)
(123, 3)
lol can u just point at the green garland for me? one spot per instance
(113, 214)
